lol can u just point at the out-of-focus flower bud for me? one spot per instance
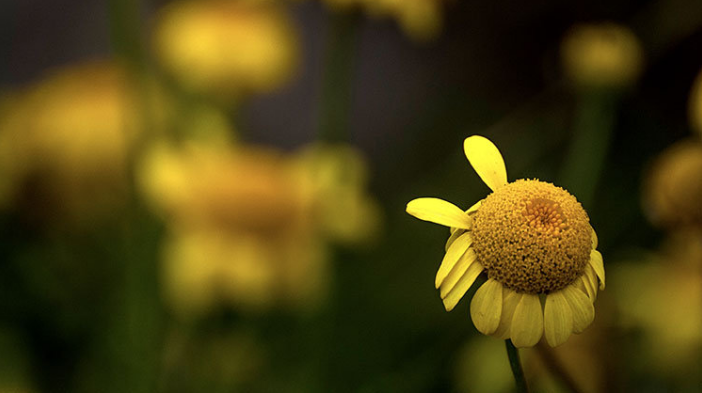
(604, 55)
(226, 48)
(673, 190)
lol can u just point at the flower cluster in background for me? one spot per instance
(209, 196)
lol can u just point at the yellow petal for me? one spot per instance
(510, 299)
(558, 319)
(474, 208)
(453, 255)
(454, 235)
(527, 322)
(468, 278)
(457, 272)
(487, 161)
(581, 306)
(586, 286)
(440, 212)
(593, 236)
(486, 307)
(597, 264)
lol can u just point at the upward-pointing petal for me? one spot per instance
(487, 161)
(440, 212)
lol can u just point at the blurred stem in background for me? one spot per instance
(335, 97)
(516, 366)
(134, 336)
(589, 146)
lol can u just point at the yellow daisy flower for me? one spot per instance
(535, 243)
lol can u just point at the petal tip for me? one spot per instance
(486, 159)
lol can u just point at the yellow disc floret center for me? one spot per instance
(532, 237)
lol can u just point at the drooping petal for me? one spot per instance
(586, 286)
(453, 254)
(593, 236)
(581, 306)
(510, 299)
(456, 294)
(464, 262)
(486, 307)
(597, 264)
(455, 233)
(527, 322)
(487, 161)
(558, 319)
(440, 212)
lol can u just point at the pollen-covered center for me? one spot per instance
(532, 236)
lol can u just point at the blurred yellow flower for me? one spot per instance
(534, 241)
(207, 268)
(337, 177)
(65, 141)
(673, 189)
(662, 299)
(695, 105)
(226, 48)
(227, 187)
(248, 226)
(241, 229)
(604, 55)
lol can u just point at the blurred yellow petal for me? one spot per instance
(597, 264)
(453, 254)
(581, 306)
(527, 322)
(510, 299)
(467, 279)
(558, 319)
(486, 307)
(440, 212)
(487, 161)
(457, 272)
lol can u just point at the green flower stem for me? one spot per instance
(335, 98)
(516, 365)
(134, 335)
(592, 133)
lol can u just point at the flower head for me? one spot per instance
(533, 240)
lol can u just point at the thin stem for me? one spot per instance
(338, 74)
(516, 365)
(134, 333)
(588, 151)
